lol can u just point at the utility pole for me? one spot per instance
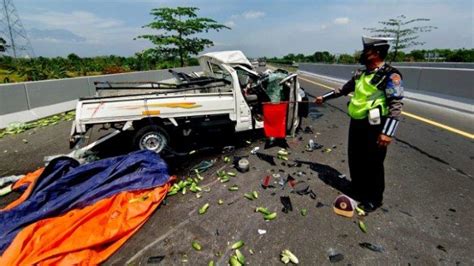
(12, 30)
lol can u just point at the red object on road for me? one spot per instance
(274, 119)
(266, 181)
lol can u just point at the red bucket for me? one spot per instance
(274, 119)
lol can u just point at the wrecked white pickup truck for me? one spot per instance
(227, 95)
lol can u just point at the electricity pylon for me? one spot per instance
(12, 30)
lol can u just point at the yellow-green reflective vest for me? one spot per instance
(366, 96)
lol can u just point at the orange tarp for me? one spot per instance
(28, 179)
(85, 236)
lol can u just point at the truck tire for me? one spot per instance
(151, 137)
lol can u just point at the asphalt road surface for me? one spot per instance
(427, 217)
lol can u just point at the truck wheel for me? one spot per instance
(151, 137)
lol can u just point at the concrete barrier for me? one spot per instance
(28, 101)
(453, 82)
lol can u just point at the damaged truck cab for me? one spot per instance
(227, 95)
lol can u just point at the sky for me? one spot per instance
(259, 28)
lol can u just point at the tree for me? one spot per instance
(324, 57)
(346, 59)
(179, 25)
(402, 32)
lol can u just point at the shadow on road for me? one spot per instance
(332, 177)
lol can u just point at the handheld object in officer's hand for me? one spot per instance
(374, 116)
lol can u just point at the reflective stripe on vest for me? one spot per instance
(366, 96)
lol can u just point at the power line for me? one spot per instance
(11, 29)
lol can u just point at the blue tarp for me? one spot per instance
(64, 185)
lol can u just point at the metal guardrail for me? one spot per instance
(453, 82)
(28, 101)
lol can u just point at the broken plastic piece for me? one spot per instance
(261, 231)
(266, 181)
(155, 259)
(373, 247)
(334, 256)
(254, 150)
(287, 206)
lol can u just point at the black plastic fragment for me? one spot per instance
(155, 259)
(373, 247)
(287, 206)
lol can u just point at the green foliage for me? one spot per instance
(346, 59)
(438, 55)
(178, 27)
(400, 29)
(324, 57)
(16, 128)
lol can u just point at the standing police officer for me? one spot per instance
(375, 108)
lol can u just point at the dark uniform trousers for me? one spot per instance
(366, 160)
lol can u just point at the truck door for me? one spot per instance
(290, 86)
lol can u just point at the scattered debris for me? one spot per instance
(326, 150)
(254, 150)
(344, 206)
(441, 248)
(5, 190)
(240, 257)
(362, 226)
(373, 247)
(269, 217)
(220, 202)
(334, 256)
(360, 212)
(9, 179)
(233, 188)
(228, 149)
(287, 206)
(202, 166)
(287, 256)
(248, 196)
(204, 208)
(452, 210)
(262, 210)
(266, 181)
(243, 165)
(196, 246)
(25, 141)
(211, 263)
(238, 244)
(304, 212)
(233, 261)
(261, 231)
(312, 145)
(155, 259)
(308, 130)
(320, 205)
(255, 194)
(406, 213)
(16, 128)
